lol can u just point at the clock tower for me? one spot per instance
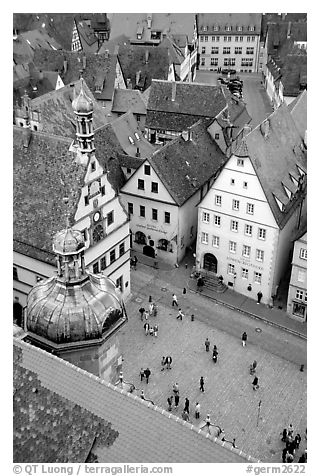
(83, 109)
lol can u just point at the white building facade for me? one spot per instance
(297, 296)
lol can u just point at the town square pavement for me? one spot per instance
(229, 396)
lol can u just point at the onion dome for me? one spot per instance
(68, 242)
(82, 104)
(64, 313)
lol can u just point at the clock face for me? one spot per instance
(97, 233)
(96, 217)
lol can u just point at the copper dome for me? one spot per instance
(64, 313)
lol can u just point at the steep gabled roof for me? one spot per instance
(43, 174)
(298, 109)
(175, 54)
(55, 402)
(93, 68)
(185, 165)
(57, 115)
(274, 148)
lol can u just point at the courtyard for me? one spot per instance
(228, 396)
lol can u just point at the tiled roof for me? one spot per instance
(43, 173)
(128, 99)
(112, 46)
(222, 20)
(26, 44)
(65, 414)
(185, 165)
(34, 87)
(133, 59)
(175, 53)
(192, 101)
(278, 40)
(298, 109)
(274, 148)
(98, 67)
(89, 41)
(268, 18)
(128, 23)
(235, 114)
(291, 68)
(57, 115)
(129, 161)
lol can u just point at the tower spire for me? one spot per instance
(83, 108)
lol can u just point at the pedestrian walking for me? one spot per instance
(284, 435)
(192, 317)
(201, 384)
(150, 298)
(142, 395)
(151, 330)
(134, 262)
(175, 389)
(259, 296)
(290, 430)
(289, 440)
(253, 367)
(186, 405)
(297, 440)
(147, 374)
(155, 330)
(180, 315)
(176, 400)
(207, 344)
(151, 308)
(185, 416)
(169, 362)
(163, 363)
(255, 385)
(155, 309)
(303, 457)
(215, 354)
(197, 410)
(142, 310)
(121, 377)
(174, 300)
(146, 315)
(146, 328)
(284, 455)
(207, 423)
(169, 400)
(289, 458)
(141, 374)
(184, 291)
(200, 284)
(244, 339)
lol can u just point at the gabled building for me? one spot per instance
(297, 295)
(56, 177)
(162, 195)
(229, 40)
(174, 106)
(102, 73)
(253, 209)
(125, 100)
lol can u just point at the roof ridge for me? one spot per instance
(67, 140)
(20, 343)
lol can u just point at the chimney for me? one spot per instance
(65, 66)
(173, 91)
(138, 152)
(149, 20)
(147, 56)
(289, 30)
(84, 62)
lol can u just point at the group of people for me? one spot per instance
(149, 329)
(214, 351)
(292, 444)
(186, 409)
(166, 362)
(145, 374)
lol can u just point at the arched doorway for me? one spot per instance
(18, 314)
(148, 251)
(210, 262)
(140, 238)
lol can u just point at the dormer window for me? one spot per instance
(155, 35)
(239, 28)
(301, 172)
(251, 28)
(215, 28)
(279, 203)
(294, 180)
(139, 32)
(288, 192)
(204, 28)
(228, 28)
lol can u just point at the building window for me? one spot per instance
(250, 208)
(301, 276)
(299, 309)
(218, 200)
(240, 38)
(214, 50)
(303, 253)
(216, 136)
(95, 268)
(128, 170)
(234, 225)
(216, 241)
(217, 38)
(232, 246)
(259, 255)
(140, 184)
(238, 50)
(229, 61)
(228, 28)
(110, 218)
(103, 190)
(262, 233)
(204, 238)
(248, 230)
(246, 251)
(245, 184)
(154, 214)
(217, 220)
(121, 249)
(232, 181)
(130, 208)
(248, 39)
(154, 187)
(305, 297)
(112, 256)
(205, 217)
(119, 283)
(235, 204)
(226, 50)
(15, 273)
(142, 211)
(240, 162)
(93, 166)
(214, 61)
(84, 234)
(246, 61)
(86, 200)
(299, 294)
(206, 38)
(250, 51)
(257, 277)
(244, 273)
(103, 263)
(203, 50)
(167, 217)
(203, 61)
(239, 28)
(231, 269)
